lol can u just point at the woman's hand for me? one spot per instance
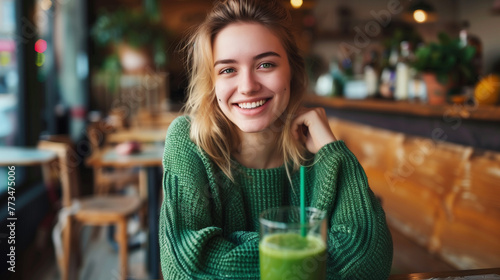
(311, 128)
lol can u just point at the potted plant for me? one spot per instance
(445, 65)
(136, 40)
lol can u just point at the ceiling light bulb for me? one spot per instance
(420, 16)
(296, 3)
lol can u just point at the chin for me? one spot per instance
(253, 127)
(247, 129)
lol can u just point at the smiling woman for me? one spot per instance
(252, 77)
(213, 73)
(237, 153)
(252, 81)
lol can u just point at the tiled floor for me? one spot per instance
(101, 260)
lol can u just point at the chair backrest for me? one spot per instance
(66, 166)
(95, 136)
(124, 96)
(145, 92)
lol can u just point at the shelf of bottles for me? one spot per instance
(440, 79)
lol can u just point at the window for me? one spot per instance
(8, 80)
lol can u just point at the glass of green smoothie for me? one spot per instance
(291, 250)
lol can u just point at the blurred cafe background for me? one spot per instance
(89, 87)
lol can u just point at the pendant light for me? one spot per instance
(422, 12)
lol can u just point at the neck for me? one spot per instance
(259, 150)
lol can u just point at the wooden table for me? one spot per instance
(142, 135)
(489, 274)
(149, 155)
(148, 159)
(24, 156)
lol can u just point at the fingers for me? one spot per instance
(297, 125)
(312, 129)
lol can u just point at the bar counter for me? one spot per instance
(414, 108)
(469, 125)
(476, 274)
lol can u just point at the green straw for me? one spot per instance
(302, 202)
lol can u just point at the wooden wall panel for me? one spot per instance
(470, 236)
(377, 153)
(445, 197)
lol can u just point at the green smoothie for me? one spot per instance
(290, 256)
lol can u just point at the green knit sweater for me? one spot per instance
(209, 225)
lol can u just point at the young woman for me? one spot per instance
(237, 153)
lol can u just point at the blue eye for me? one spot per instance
(266, 65)
(227, 71)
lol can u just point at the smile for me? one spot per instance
(252, 105)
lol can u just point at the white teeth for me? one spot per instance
(251, 105)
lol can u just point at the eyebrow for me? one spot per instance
(257, 57)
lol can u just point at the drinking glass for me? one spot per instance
(289, 249)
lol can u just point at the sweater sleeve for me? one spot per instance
(191, 245)
(359, 241)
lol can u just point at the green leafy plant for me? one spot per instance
(448, 59)
(135, 28)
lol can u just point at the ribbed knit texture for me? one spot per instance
(209, 225)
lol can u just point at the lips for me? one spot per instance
(252, 105)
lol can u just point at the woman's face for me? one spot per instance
(252, 75)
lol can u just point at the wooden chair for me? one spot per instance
(112, 180)
(93, 210)
(108, 180)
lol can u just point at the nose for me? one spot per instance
(248, 83)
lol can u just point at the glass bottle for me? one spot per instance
(402, 73)
(371, 74)
(388, 75)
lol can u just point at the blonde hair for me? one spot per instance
(211, 130)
